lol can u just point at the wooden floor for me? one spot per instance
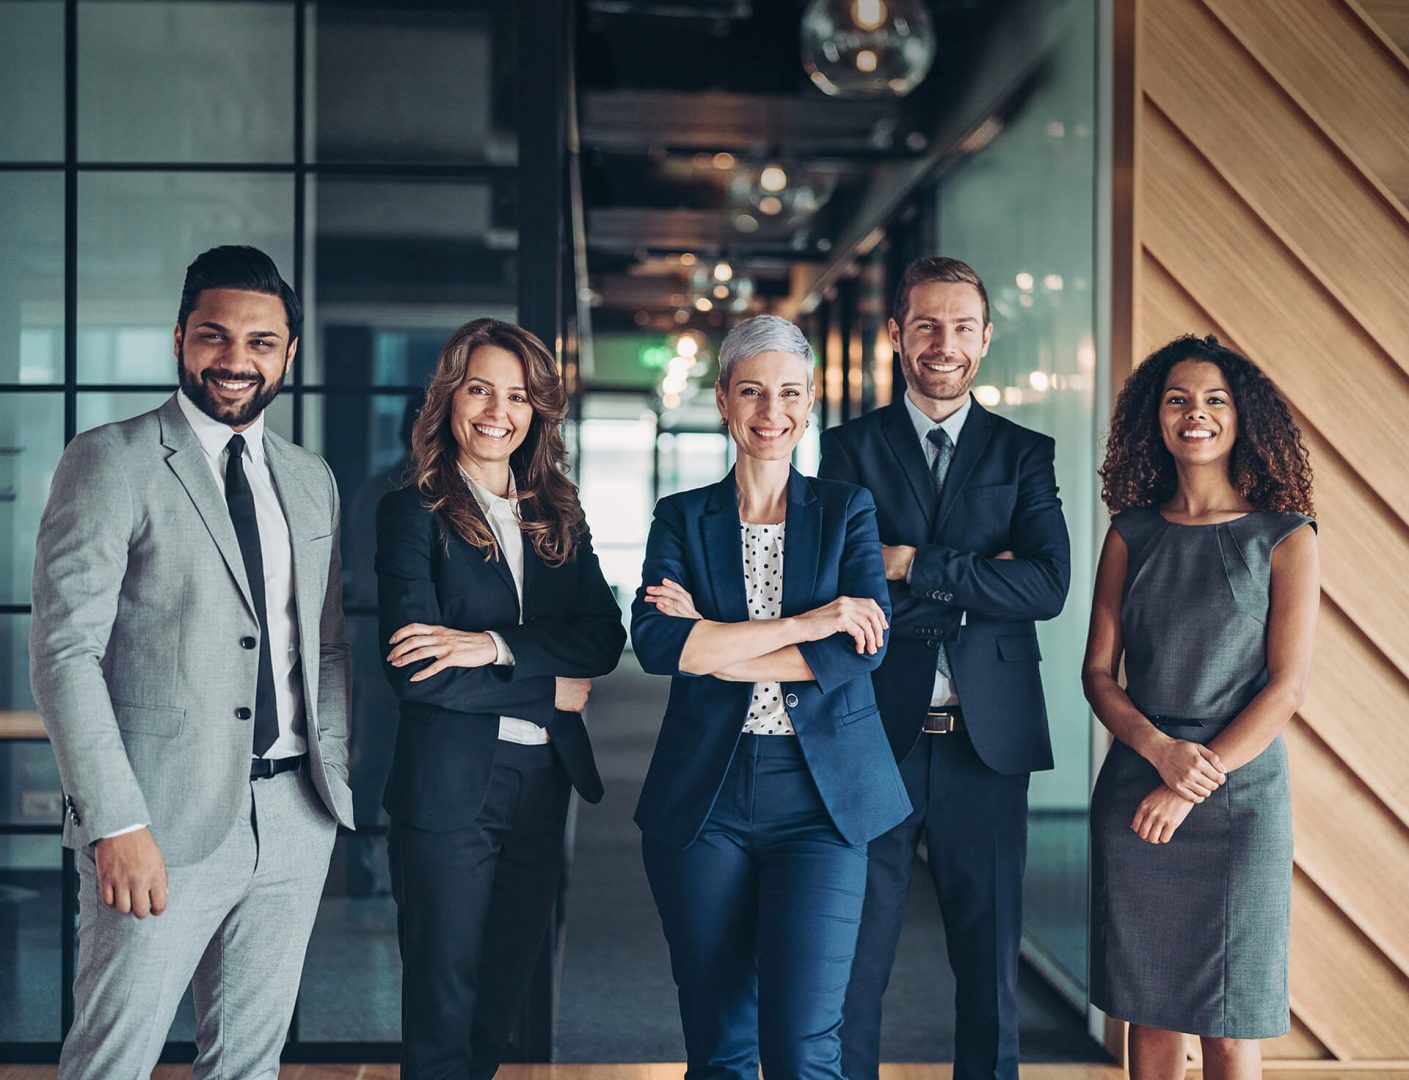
(1358, 1071)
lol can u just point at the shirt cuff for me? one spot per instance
(122, 832)
(503, 655)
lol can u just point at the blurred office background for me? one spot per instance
(627, 178)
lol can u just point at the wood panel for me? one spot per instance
(1345, 994)
(1268, 152)
(1354, 241)
(1238, 271)
(1339, 72)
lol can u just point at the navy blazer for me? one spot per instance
(830, 550)
(1000, 494)
(449, 730)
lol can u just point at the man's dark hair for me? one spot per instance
(936, 268)
(237, 266)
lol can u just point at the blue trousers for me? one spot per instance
(974, 822)
(761, 914)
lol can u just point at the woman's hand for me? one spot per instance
(671, 598)
(862, 618)
(1159, 814)
(449, 648)
(571, 694)
(1188, 769)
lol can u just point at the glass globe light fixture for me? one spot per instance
(867, 48)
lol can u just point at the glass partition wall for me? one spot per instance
(373, 149)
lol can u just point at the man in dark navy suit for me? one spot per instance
(975, 551)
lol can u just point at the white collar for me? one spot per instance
(488, 499)
(953, 424)
(215, 436)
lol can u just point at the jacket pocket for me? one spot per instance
(1019, 647)
(149, 719)
(859, 714)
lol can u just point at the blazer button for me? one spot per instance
(242, 713)
(248, 643)
(946, 597)
(790, 701)
(932, 643)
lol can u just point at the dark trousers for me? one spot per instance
(974, 823)
(760, 913)
(472, 911)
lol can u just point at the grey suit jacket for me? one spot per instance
(140, 602)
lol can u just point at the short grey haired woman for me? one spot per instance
(772, 771)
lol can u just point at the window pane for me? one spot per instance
(351, 989)
(185, 82)
(104, 407)
(420, 81)
(31, 439)
(137, 233)
(29, 911)
(398, 265)
(32, 80)
(31, 276)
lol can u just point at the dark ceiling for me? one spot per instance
(682, 103)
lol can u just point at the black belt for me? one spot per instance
(262, 768)
(943, 720)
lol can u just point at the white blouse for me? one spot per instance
(763, 582)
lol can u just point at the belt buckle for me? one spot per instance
(941, 722)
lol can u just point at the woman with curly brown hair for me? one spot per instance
(1207, 588)
(496, 615)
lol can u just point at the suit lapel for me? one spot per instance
(719, 528)
(973, 440)
(800, 545)
(188, 461)
(910, 457)
(530, 565)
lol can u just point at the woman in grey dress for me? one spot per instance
(1207, 588)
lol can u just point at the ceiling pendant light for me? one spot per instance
(867, 48)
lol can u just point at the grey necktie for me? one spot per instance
(939, 469)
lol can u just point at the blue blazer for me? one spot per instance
(1000, 495)
(831, 549)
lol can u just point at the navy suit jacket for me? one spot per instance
(1000, 494)
(449, 728)
(831, 549)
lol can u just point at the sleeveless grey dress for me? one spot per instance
(1192, 935)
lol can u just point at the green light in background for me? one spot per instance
(656, 356)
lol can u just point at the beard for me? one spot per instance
(197, 388)
(933, 385)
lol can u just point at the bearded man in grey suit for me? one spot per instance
(189, 657)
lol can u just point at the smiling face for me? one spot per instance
(233, 354)
(941, 344)
(490, 413)
(1198, 418)
(766, 404)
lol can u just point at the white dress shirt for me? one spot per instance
(276, 551)
(503, 516)
(944, 692)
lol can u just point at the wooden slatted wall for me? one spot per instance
(1262, 194)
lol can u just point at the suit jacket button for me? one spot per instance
(790, 701)
(248, 643)
(932, 643)
(242, 713)
(946, 597)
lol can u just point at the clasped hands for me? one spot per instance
(859, 617)
(1191, 773)
(449, 648)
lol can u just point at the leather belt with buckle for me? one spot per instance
(264, 768)
(944, 721)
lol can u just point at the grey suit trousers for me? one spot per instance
(236, 927)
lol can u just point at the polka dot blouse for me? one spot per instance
(763, 582)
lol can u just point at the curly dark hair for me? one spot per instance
(549, 512)
(1269, 465)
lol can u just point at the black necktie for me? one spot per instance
(944, 454)
(240, 499)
